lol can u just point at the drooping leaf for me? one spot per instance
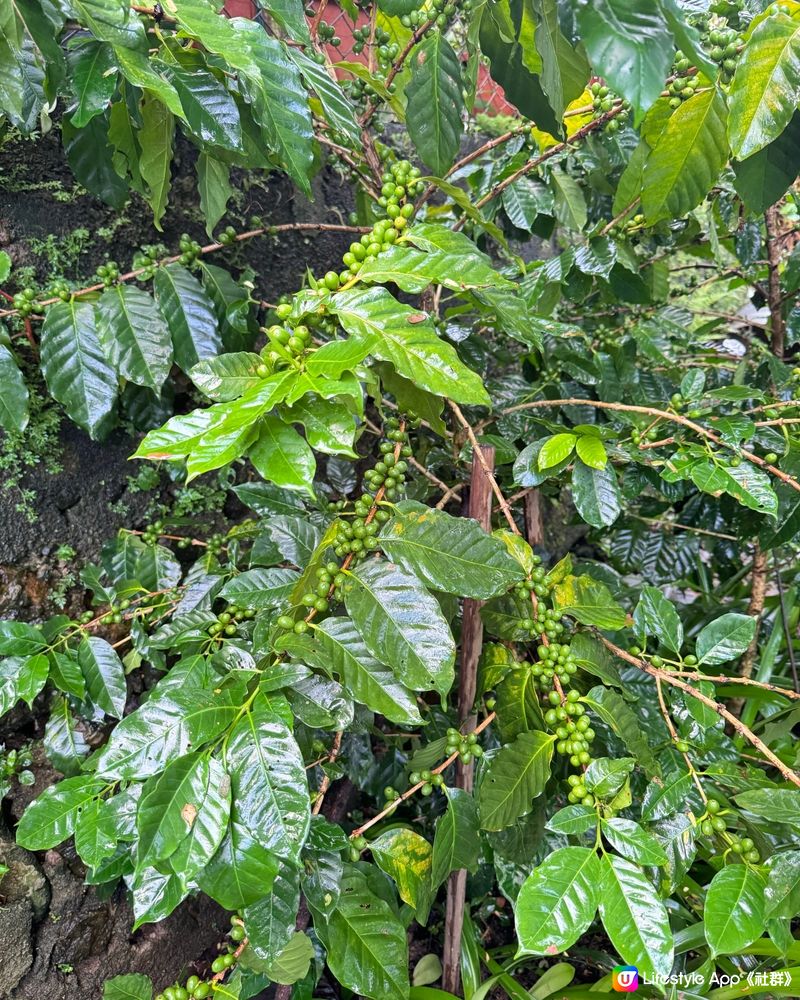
(734, 913)
(513, 779)
(51, 818)
(405, 856)
(630, 46)
(766, 85)
(455, 844)
(435, 103)
(269, 781)
(155, 163)
(687, 158)
(365, 942)
(655, 615)
(557, 902)
(214, 188)
(189, 314)
(596, 493)
(402, 625)
(281, 455)
(75, 366)
(14, 413)
(135, 336)
(104, 675)
(635, 917)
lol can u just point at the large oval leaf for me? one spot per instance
(135, 336)
(635, 917)
(557, 901)
(735, 908)
(402, 625)
(514, 777)
(189, 313)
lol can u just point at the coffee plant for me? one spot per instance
(498, 670)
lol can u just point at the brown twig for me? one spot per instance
(652, 411)
(476, 448)
(325, 784)
(409, 792)
(736, 724)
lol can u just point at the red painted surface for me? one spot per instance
(489, 94)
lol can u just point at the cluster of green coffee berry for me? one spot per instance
(386, 49)
(190, 250)
(725, 42)
(631, 224)
(439, 11)
(578, 792)
(59, 289)
(228, 620)
(286, 345)
(357, 845)
(196, 988)
(227, 236)
(24, 302)
(357, 536)
(572, 727)
(713, 825)
(327, 34)
(602, 101)
(684, 84)
(429, 780)
(637, 436)
(466, 746)
(108, 273)
(147, 260)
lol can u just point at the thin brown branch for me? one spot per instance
(325, 784)
(409, 792)
(653, 411)
(735, 724)
(476, 448)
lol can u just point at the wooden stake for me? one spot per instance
(480, 507)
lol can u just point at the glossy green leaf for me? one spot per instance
(337, 107)
(281, 455)
(407, 339)
(655, 616)
(363, 676)
(435, 103)
(764, 177)
(780, 805)
(413, 270)
(734, 913)
(629, 45)
(617, 714)
(365, 942)
(518, 707)
(513, 779)
(633, 842)
(14, 413)
(104, 675)
(478, 565)
(724, 638)
(207, 818)
(260, 588)
(564, 68)
(91, 66)
(588, 601)
(766, 86)
(209, 109)
(455, 844)
(242, 871)
(688, 157)
(95, 834)
(557, 902)
(51, 818)
(269, 781)
(111, 21)
(596, 493)
(635, 917)
(402, 625)
(76, 369)
(155, 163)
(128, 987)
(782, 891)
(135, 336)
(214, 188)
(189, 314)
(556, 449)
